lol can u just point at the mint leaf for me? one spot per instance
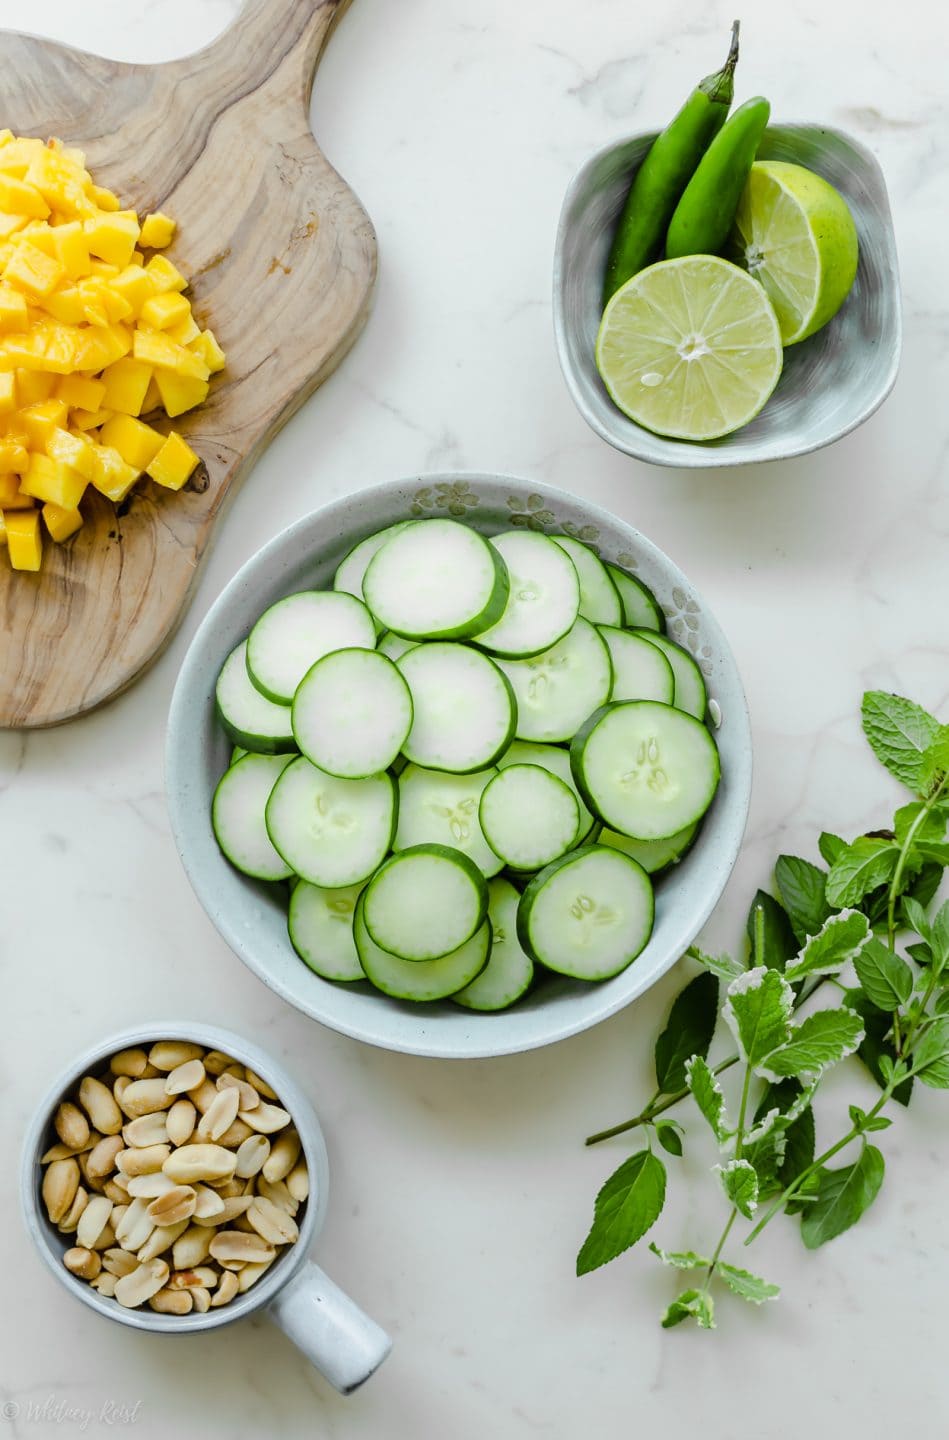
(767, 1158)
(758, 1012)
(831, 847)
(930, 850)
(835, 943)
(842, 1197)
(821, 1040)
(803, 889)
(936, 758)
(930, 1057)
(689, 1030)
(763, 1126)
(860, 868)
(667, 1133)
(680, 1259)
(748, 1286)
(707, 1094)
(740, 1183)
(694, 1305)
(876, 1049)
(916, 916)
(887, 979)
(939, 931)
(627, 1205)
(800, 1144)
(723, 966)
(923, 886)
(933, 827)
(770, 933)
(900, 733)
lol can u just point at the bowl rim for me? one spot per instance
(711, 457)
(190, 677)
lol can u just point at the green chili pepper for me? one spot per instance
(665, 172)
(704, 215)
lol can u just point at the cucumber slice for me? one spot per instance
(351, 571)
(464, 708)
(437, 580)
(420, 980)
(557, 761)
(442, 809)
(599, 597)
(393, 646)
(320, 923)
(509, 970)
(528, 816)
(299, 630)
(544, 600)
(641, 609)
(351, 713)
(237, 753)
(331, 832)
(653, 855)
(237, 816)
(690, 692)
(588, 914)
(556, 691)
(249, 719)
(425, 902)
(640, 670)
(647, 770)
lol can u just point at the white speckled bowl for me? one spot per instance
(251, 916)
(831, 383)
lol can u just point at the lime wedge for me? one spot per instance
(690, 348)
(795, 234)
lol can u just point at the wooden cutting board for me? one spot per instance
(282, 260)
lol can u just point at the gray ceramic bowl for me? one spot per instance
(831, 383)
(252, 916)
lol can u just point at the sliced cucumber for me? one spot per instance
(299, 630)
(331, 832)
(352, 713)
(510, 970)
(437, 580)
(425, 902)
(320, 923)
(647, 770)
(599, 597)
(393, 645)
(641, 609)
(351, 571)
(544, 600)
(528, 816)
(442, 809)
(690, 692)
(250, 720)
(653, 855)
(640, 670)
(557, 761)
(420, 980)
(237, 816)
(237, 753)
(464, 708)
(588, 914)
(557, 690)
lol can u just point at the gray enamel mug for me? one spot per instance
(330, 1329)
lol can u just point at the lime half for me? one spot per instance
(690, 348)
(795, 234)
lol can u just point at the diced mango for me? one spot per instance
(66, 305)
(74, 450)
(126, 384)
(164, 275)
(8, 395)
(155, 348)
(17, 196)
(174, 463)
(158, 230)
(71, 249)
(180, 392)
(61, 523)
(39, 421)
(29, 269)
(164, 310)
(10, 497)
(50, 480)
(82, 392)
(134, 286)
(185, 331)
(13, 311)
(210, 351)
(137, 443)
(113, 237)
(101, 345)
(104, 199)
(24, 542)
(152, 399)
(114, 477)
(89, 419)
(32, 386)
(10, 224)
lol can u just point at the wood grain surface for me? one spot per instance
(282, 260)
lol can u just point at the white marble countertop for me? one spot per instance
(460, 1192)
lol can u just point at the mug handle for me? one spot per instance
(330, 1329)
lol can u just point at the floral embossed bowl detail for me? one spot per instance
(251, 916)
(830, 384)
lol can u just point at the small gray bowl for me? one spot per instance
(333, 1333)
(252, 917)
(831, 383)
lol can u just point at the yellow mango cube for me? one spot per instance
(113, 237)
(114, 476)
(10, 224)
(61, 523)
(100, 346)
(74, 450)
(39, 421)
(210, 351)
(29, 269)
(152, 399)
(19, 198)
(32, 386)
(155, 348)
(173, 464)
(10, 496)
(89, 419)
(13, 311)
(180, 392)
(163, 274)
(164, 310)
(81, 391)
(8, 395)
(66, 305)
(185, 331)
(50, 480)
(71, 249)
(24, 542)
(137, 443)
(126, 383)
(134, 286)
(158, 230)
(104, 199)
